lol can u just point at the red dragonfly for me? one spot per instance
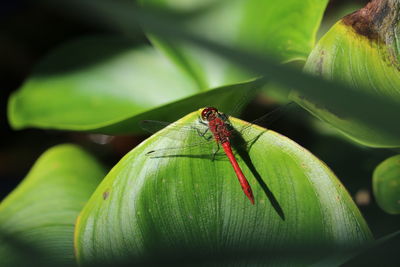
(221, 130)
(218, 126)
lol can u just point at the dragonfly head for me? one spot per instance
(209, 113)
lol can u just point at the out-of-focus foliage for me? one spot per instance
(336, 97)
(285, 30)
(37, 219)
(360, 50)
(96, 82)
(386, 185)
(107, 84)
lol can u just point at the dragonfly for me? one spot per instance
(219, 129)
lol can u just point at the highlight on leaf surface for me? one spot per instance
(37, 219)
(386, 185)
(285, 30)
(360, 50)
(180, 206)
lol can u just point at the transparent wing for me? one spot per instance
(205, 150)
(190, 136)
(267, 119)
(178, 131)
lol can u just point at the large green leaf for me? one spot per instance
(105, 84)
(386, 185)
(179, 206)
(284, 29)
(37, 219)
(361, 50)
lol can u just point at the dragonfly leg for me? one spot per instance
(215, 152)
(202, 134)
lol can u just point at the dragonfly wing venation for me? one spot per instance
(177, 131)
(206, 149)
(268, 119)
(189, 139)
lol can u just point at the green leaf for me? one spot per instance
(386, 185)
(360, 50)
(37, 219)
(179, 206)
(337, 97)
(94, 82)
(284, 29)
(105, 84)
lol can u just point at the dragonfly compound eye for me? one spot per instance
(206, 113)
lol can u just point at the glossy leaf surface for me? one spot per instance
(386, 185)
(179, 206)
(37, 219)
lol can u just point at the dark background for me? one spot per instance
(29, 31)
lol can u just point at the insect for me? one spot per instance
(220, 129)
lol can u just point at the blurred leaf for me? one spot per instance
(182, 208)
(386, 185)
(96, 82)
(37, 219)
(283, 29)
(101, 84)
(107, 85)
(363, 255)
(382, 252)
(337, 97)
(360, 50)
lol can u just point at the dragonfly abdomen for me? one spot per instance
(242, 179)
